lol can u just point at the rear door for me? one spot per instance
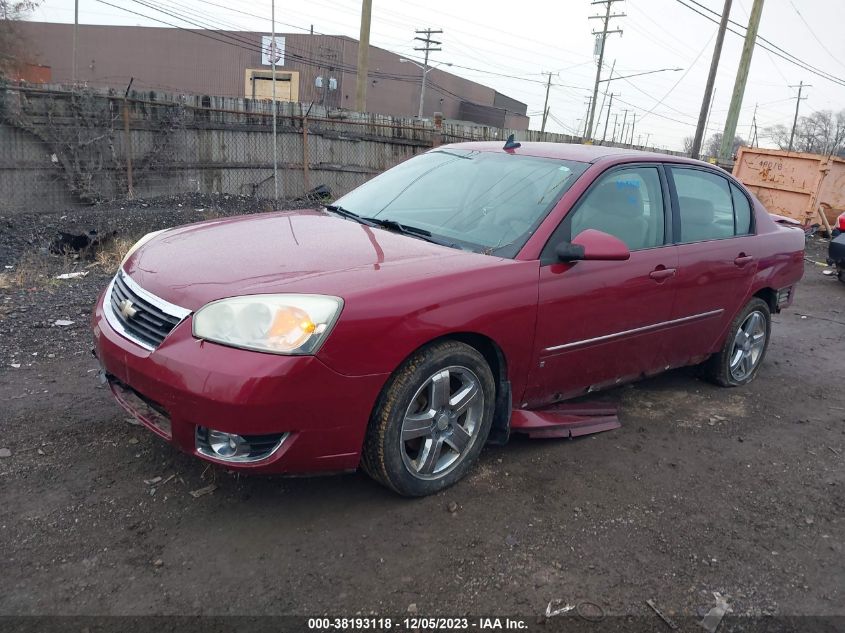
(600, 322)
(716, 258)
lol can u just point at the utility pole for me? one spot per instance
(587, 117)
(703, 114)
(75, 38)
(546, 105)
(606, 86)
(801, 85)
(633, 125)
(709, 112)
(429, 46)
(273, 53)
(615, 124)
(603, 34)
(647, 136)
(607, 118)
(363, 56)
(753, 135)
(624, 120)
(741, 78)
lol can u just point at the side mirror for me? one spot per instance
(591, 244)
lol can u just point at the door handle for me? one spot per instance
(742, 259)
(660, 273)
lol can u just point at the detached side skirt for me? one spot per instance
(565, 420)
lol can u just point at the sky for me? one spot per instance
(509, 46)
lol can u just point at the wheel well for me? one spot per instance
(495, 357)
(488, 348)
(770, 296)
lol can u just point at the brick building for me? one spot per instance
(310, 68)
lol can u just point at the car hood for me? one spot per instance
(299, 251)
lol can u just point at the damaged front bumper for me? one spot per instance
(278, 414)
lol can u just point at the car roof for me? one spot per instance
(574, 151)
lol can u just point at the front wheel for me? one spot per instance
(431, 421)
(744, 347)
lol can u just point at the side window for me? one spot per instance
(705, 205)
(627, 204)
(742, 212)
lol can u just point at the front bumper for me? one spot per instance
(186, 383)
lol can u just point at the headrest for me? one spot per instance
(696, 210)
(621, 198)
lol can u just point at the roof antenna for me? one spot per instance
(511, 144)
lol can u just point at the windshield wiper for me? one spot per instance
(393, 225)
(413, 231)
(390, 225)
(345, 213)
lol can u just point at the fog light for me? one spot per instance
(229, 447)
(225, 444)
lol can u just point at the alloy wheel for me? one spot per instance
(749, 343)
(442, 422)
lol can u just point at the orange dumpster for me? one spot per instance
(796, 185)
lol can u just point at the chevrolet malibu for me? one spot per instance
(462, 295)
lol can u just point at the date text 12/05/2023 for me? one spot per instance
(416, 623)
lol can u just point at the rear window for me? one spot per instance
(742, 211)
(710, 208)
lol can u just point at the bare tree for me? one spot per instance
(821, 132)
(714, 144)
(12, 43)
(688, 144)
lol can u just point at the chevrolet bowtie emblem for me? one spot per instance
(127, 309)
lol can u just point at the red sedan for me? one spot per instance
(456, 297)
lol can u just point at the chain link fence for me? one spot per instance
(61, 147)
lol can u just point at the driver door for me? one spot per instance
(600, 323)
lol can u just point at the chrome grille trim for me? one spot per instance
(155, 319)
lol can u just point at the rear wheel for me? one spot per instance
(431, 421)
(744, 348)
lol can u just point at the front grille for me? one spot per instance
(148, 319)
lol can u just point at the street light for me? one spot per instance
(426, 69)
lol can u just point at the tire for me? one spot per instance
(415, 432)
(723, 368)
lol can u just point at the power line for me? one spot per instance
(816, 37)
(686, 72)
(239, 41)
(778, 51)
(242, 42)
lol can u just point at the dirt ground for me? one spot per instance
(703, 489)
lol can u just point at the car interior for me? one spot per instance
(619, 207)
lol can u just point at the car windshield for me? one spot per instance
(489, 202)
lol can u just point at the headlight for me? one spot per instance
(281, 324)
(139, 244)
